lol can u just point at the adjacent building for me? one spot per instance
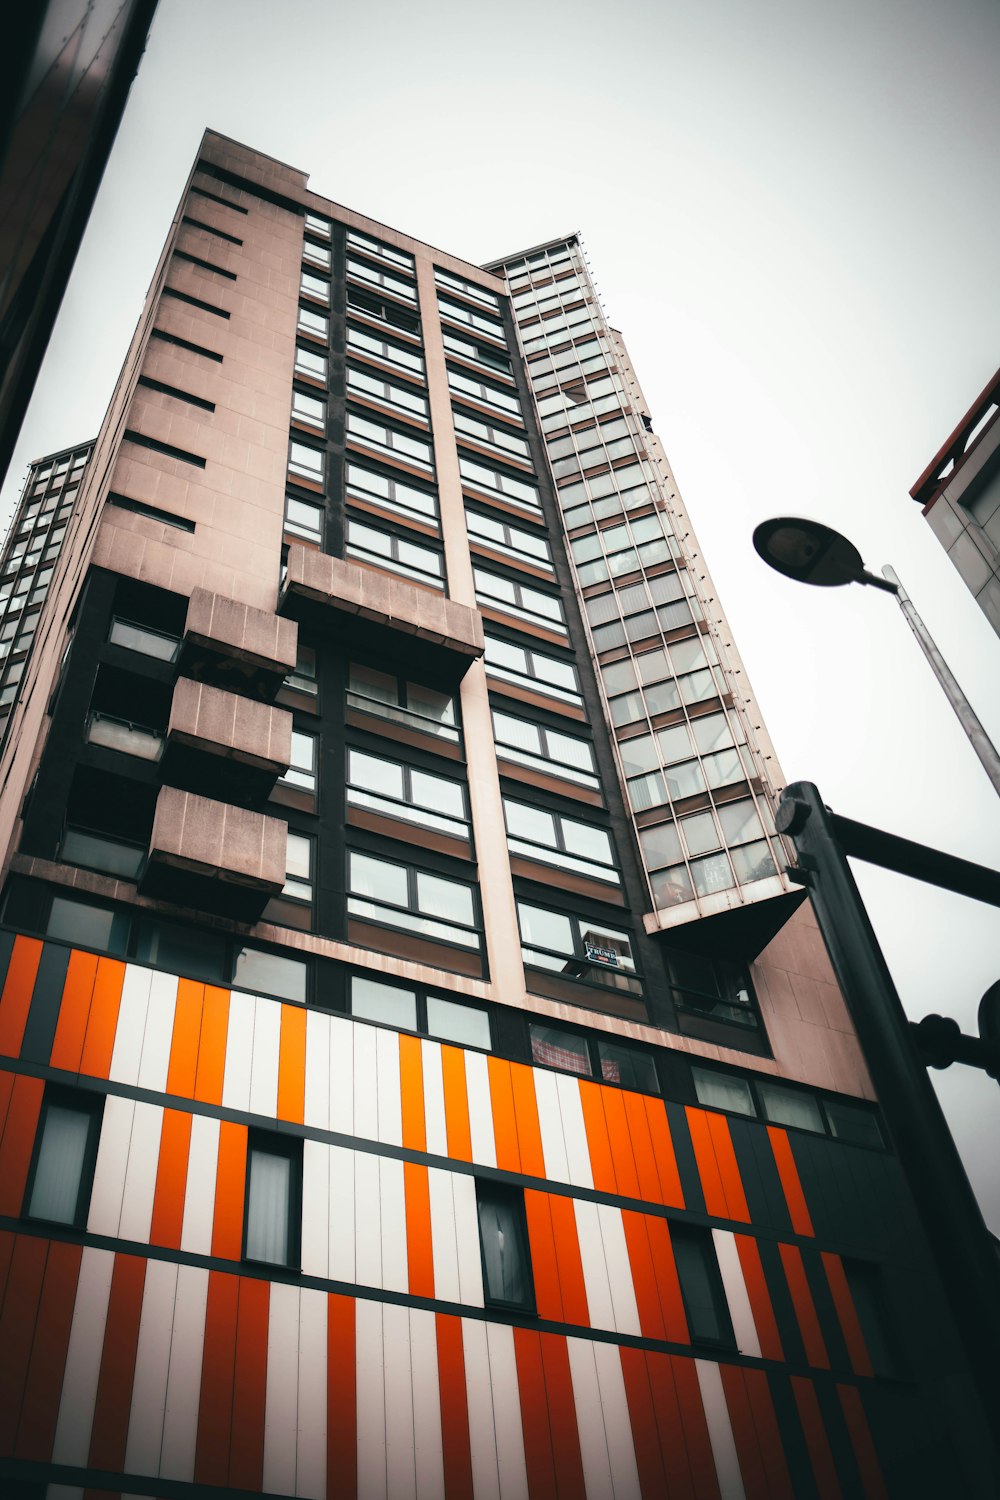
(417, 1074)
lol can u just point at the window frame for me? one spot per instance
(760, 1115)
(421, 997)
(609, 872)
(487, 1188)
(412, 908)
(88, 1102)
(460, 828)
(695, 1235)
(437, 727)
(633, 979)
(290, 1149)
(592, 1041)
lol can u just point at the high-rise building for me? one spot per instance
(960, 494)
(27, 561)
(418, 1076)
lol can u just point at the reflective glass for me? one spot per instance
(371, 1001)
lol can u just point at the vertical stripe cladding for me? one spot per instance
(381, 1371)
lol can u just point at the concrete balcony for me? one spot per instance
(410, 624)
(213, 857)
(225, 745)
(233, 645)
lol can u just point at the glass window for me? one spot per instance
(384, 252)
(144, 640)
(304, 518)
(578, 947)
(490, 395)
(853, 1123)
(395, 698)
(315, 286)
(386, 1003)
(531, 744)
(302, 767)
(716, 987)
(481, 322)
(496, 483)
(367, 485)
(467, 288)
(402, 791)
(555, 1048)
(306, 461)
(723, 1091)
(384, 549)
(392, 353)
(271, 974)
(309, 410)
(519, 599)
(790, 1107)
(308, 362)
(360, 382)
(63, 1174)
(507, 538)
(429, 905)
(466, 1025)
(559, 840)
(503, 1239)
(488, 433)
(273, 1201)
(628, 1066)
(314, 323)
(701, 1287)
(397, 444)
(549, 675)
(299, 867)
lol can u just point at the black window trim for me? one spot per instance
(83, 1101)
(290, 1147)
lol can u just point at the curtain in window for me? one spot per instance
(502, 1252)
(267, 1208)
(56, 1188)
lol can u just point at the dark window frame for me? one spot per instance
(82, 1101)
(592, 1041)
(760, 1114)
(291, 1149)
(422, 995)
(486, 1189)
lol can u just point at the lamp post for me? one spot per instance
(813, 553)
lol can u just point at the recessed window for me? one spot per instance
(503, 1240)
(469, 289)
(318, 225)
(304, 518)
(593, 1056)
(403, 791)
(481, 322)
(315, 286)
(303, 679)
(314, 323)
(372, 488)
(388, 253)
(268, 973)
(360, 270)
(365, 342)
(556, 1048)
(490, 395)
(396, 554)
(724, 1091)
(519, 544)
(480, 431)
(273, 1200)
(414, 900)
(302, 765)
(309, 410)
(141, 638)
(413, 1010)
(402, 702)
(308, 362)
(578, 947)
(389, 441)
(299, 867)
(554, 839)
(701, 1287)
(519, 599)
(306, 462)
(718, 988)
(65, 1154)
(316, 255)
(797, 1109)
(545, 749)
(790, 1107)
(360, 383)
(510, 663)
(517, 491)
(628, 1066)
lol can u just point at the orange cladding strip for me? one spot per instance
(752, 1466)
(861, 1441)
(102, 1023)
(729, 1171)
(230, 1188)
(817, 1443)
(643, 1276)
(668, 1284)
(642, 1147)
(17, 1330)
(760, 1297)
(171, 1180)
(18, 1141)
(215, 1408)
(529, 1134)
(455, 1443)
(342, 1399)
(292, 1064)
(805, 1308)
(566, 1237)
(542, 1256)
(71, 1028)
(857, 1349)
(642, 1417)
(456, 1103)
(16, 998)
(419, 1245)
(671, 1192)
(708, 1167)
(504, 1121)
(114, 1384)
(411, 1089)
(669, 1427)
(6, 1090)
(563, 1429)
(183, 1067)
(701, 1459)
(43, 1385)
(779, 1481)
(601, 1161)
(790, 1184)
(211, 1063)
(538, 1459)
(621, 1143)
(246, 1445)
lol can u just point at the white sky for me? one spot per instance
(791, 213)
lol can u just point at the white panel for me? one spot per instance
(507, 1412)
(581, 1173)
(310, 1462)
(199, 1195)
(479, 1390)
(590, 1419)
(316, 1208)
(180, 1422)
(83, 1358)
(550, 1126)
(619, 1269)
(342, 1074)
(367, 1219)
(484, 1151)
(371, 1402)
(434, 1115)
(131, 1026)
(740, 1310)
(112, 1160)
(390, 1111)
(426, 1404)
(342, 1252)
(155, 1061)
(365, 1084)
(152, 1361)
(470, 1265)
(401, 1479)
(444, 1248)
(720, 1432)
(317, 1101)
(395, 1267)
(282, 1399)
(595, 1268)
(140, 1175)
(617, 1423)
(239, 1051)
(264, 1069)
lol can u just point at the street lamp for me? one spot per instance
(813, 553)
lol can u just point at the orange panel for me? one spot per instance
(171, 1180)
(456, 1103)
(779, 1481)
(230, 1188)
(292, 1065)
(114, 1384)
(696, 1437)
(411, 1088)
(563, 1430)
(342, 1399)
(818, 1444)
(211, 1064)
(6, 1089)
(642, 1416)
(183, 1068)
(708, 1167)
(534, 1415)
(7, 1243)
(567, 1242)
(668, 1284)
(601, 1161)
(419, 1245)
(805, 1308)
(71, 1028)
(211, 1459)
(454, 1408)
(671, 1192)
(847, 1314)
(246, 1446)
(729, 1171)
(17, 1330)
(102, 1023)
(529, 1135)
(642, 1147)
(861, 1441)
(43, 1386)
(16, 998)
(790, 1184)
(18, 1141)
(760, 1297)
(673, 1450)
(744, 1433)
(643, 1275)
(504, 1120)
(621, 1143)
(548, 1294)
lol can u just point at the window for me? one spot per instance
(371, 386)
(518, 599)
(390, 442)
(273, 1200)
(457, 312)
(516, 491)
(307, 462)
(146, 641)
(724, 1091)
(303, 678)
(394, 354)
(554, 839)
(315, 286)
(65, 1155)
(388, 253)
(360, 270)
(366, 486)
(308, 362)
(480, 354)
(401, 791)
(544, 749)
(304, 518)
(593, 1056)
(718, 988)
(510, 663)
(790, 1107)
(467, 288)
(780, 1104)
(503, 1241)
(299, 867)
(485, 432)
(853, 1123)
(416, 901)
(577, 947)
(316, 255)
(271, 974)
(369, 306)
(513, 540)
(318, 225)
(314, 323)
(302, 766)
(412, 1010)
(403, 702)
(384, 549)
(309, 410)
(701, 1287)
(490, 395)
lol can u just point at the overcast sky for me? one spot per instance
(791, 213)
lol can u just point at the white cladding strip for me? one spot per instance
(83, 1358)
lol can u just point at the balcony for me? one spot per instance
(409, 625)
(221, 744)
(234, 646)
(214, 857)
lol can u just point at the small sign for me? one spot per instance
(598, 955)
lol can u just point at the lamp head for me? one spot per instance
(809, 552)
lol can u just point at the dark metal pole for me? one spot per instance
(952, 1222)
